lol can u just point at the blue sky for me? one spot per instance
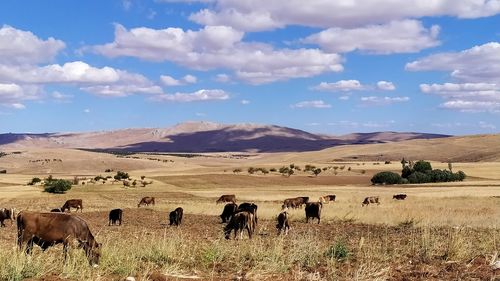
(326, 66)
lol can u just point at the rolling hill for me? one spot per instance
(203, 137)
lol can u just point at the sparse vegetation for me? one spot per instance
(121, 176)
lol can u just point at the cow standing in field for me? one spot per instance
(399, 196)
(146, 201)
(6, 214)
(296, 202)
(48, 229)
(73, 203)
(251, 208)
(313, 210)
(228, 212)
(239, 222)
(226, 198)
(370, 200)
(283, 224)
(327, 198)
(176, 216)
(115, 217)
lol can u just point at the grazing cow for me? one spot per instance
(239, 222)
(6, 214)
(313, 210)
(295, 202)
(401, 196)
(226, 198)
(251, 208)
(56, 210)
(115, 217)
(176, 216)
(283, 224)
(370, 200)
(228, 212)
(146, 201)
(48, 229)
(72, 203)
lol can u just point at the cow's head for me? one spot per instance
(93, 251)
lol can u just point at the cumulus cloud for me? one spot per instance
(261, 15)
(478, 64)
(311, 104)
(201, 95)
(215, 47)
(171, 81)
(380, 101)
(23, 47)
(405, 36)
(385, 86)
(12, 95)
(477, 71)
(340, 86)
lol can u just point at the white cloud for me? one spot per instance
(23, 47)
(355, 124)
(201, 95)
(61, 98)
(344, 98)
(12, 95)
(340, 86)
(86, 110)
(379, 101)
(222, 78)
(466, 97)
(258, 15)
(486, 125)
(311, 104)
(405, 36)
(127, 4)
(171, 81)
(478, 64)
(215, 47)
(386, 86)
(245, 102)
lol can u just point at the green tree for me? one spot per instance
(422, 166)
(316, 172)
(57, 186)
(386, 178)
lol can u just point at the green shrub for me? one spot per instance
(121, 175)
(34, 181)
(419, 177)
(57, 186)
(386, 178)
(422, 166)
(338, 251)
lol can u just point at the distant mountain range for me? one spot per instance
(203, 137)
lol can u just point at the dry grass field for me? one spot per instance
(447, 231)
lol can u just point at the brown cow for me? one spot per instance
(296, 202)
(226, 198)
(327, 198)
(239, 222)
(313, 210)
(6, 214)
(48, 229)
(370, 200)
(72, 203)
(146, 201)
(176, 216)
(283, 224)
(401, 196)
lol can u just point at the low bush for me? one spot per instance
(57, 186)
(386, 178)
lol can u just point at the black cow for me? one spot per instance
(401, 196)
(228, 212)
(115, 217)
(283, 224)
(6, 214)
(176, 216)
(251, 208)
(313, 210)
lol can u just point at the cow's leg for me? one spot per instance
(249, 232)
(1, 223)
(65, 251)
(29, 246)
(319, 219)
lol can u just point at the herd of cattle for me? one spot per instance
(58, 227)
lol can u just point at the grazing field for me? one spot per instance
(447, 231)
